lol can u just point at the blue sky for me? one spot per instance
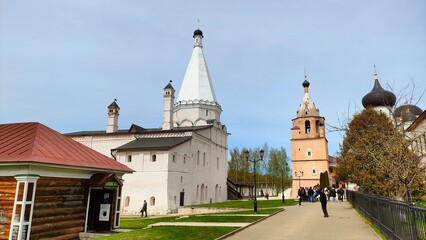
(63, 62)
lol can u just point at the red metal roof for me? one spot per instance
(34, 142)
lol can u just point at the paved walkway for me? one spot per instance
(307, 222)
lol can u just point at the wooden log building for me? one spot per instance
(52, 187)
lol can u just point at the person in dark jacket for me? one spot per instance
(340, 193)
(301, 193)
(311, 194)
(323, 200)
(333, 194)
(144, 209)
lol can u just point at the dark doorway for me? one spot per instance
(100, 210)
(182, 198)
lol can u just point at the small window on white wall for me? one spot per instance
(184, 159)
(153, 158)
(127, 201)
(129, 158)
(152, 201)
(198, 158)
(204, 159)
(174, 158)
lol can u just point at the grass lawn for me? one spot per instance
(207, 233)
(259, 211)
(206, 218)
(176, 233)
(249, 204)
(421, 204)
(138, 223)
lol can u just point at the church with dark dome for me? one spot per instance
(405, 115)
(384, 101)
(379, 98)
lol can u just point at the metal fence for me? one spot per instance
(395, 219)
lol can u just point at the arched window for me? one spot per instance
(307, 127)
(181, 178)
(202, 193)
(217, 163)
(197, 193)
(204, 159)
(198, 157)
(152, 201)
(127, 201)
(216, 189)
(174, 158)
(153, 158)
(317, 126)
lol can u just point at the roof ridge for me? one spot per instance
(36, 127)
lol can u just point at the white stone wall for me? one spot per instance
(191, 114)
(148, 181)
(418, 135)
(104, 143)
(199, 162)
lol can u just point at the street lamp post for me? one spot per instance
(254, 161)
(282, 181)
(300, 175)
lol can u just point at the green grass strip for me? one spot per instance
(259, 211)
(249, 204)
(206, 218)
(176, 233)
(138, 223)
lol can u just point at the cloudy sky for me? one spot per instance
(63, 62)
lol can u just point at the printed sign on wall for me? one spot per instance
(104, 212)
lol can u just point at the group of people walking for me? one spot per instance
(323, 195)
(312, 194)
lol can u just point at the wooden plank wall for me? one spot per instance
(7, 197)
(60, 208)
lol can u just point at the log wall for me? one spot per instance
(7, 197)
(60, 209)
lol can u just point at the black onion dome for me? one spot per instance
(198, 32)
(409, 118)
(378, 97)
(305, 83)
(406, 109)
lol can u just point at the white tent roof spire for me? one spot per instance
(197, 85)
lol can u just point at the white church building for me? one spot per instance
(182, 163)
